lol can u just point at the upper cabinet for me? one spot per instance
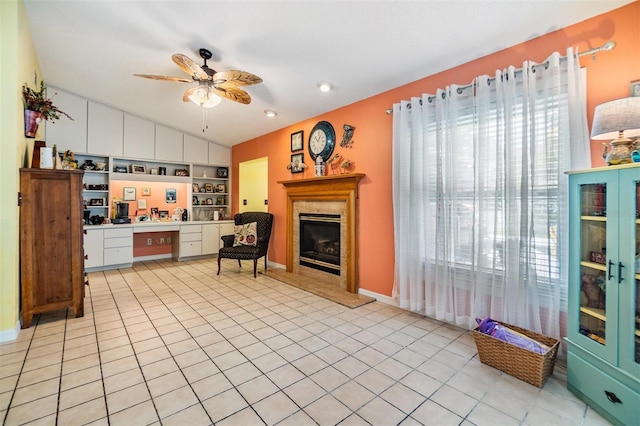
(196, 150)
(104, 130)
(219, 155)
(65, 133)
(139, 137)
(168, 144)
(100, 130)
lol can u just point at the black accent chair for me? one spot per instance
(264, 222)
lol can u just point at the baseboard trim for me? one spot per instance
(382, 298)
(9, 335)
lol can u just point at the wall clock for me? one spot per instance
(322, 140)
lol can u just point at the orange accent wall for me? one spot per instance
(608, 78)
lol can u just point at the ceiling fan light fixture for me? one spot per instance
(270, 113)
(205, 96)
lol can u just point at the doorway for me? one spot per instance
(253, 187)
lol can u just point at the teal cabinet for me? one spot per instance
(603, 329)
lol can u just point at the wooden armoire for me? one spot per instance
(51, 238)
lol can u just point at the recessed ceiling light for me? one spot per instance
(324, 86)
(270, 113)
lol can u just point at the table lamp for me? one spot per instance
(618, 120)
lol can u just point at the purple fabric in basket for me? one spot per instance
(497, 330)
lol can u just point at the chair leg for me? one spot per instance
(255, 267)
(265, 262)
(239, 264)
(218, 265)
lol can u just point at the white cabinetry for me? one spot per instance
(218, 155)
(210, 238)
(104, 130)
(189, 241)
(195, 149)
(139, 137)
(118, 246)
(65, 133)
(168, 144)
(93, 248)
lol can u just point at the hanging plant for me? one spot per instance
(37, 101)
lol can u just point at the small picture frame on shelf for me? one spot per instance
(297, 139)
(154, 210)
(139, 169)
(182, 172)
(129, 193)
(120, 169)
(208, 187)
(635, 88)
(96, 202)
(296, 163)
(220, 188)
(220, 201)
(154, 171)
(209, 201)
(195, 201)
(196, 187)
(222, 172)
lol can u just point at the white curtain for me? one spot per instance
(480, 195)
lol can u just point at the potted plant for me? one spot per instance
(37, 107)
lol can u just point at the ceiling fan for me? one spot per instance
(212, 85)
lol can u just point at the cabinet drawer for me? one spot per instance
(192, 248)
(117, 233)
(118, 242)
(190, 229)
(593, 383)
(190, 237)
(118, 255)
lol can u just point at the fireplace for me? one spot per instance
(320, 242)
(329, 197)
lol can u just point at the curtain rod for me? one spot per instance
(604, 48)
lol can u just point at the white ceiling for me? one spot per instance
(93, 48)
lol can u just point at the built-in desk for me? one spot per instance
(111, 246)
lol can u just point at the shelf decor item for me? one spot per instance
(618, 120)
(38, 107)
(139, 169)
(222, 172)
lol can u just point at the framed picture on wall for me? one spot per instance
(129, 193)
(297, 139)
(296, 163)
(171, 196)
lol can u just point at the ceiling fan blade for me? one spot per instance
(233, 94)
(190, 67)
(235, 77)
(165, 78)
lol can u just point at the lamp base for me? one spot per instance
(620, 152)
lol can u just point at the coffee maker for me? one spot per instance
(122, 213)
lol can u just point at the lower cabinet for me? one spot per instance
(118, 246)
(210, 238)
(189, 241)
(93, 250)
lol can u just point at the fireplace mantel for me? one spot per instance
(338, 188)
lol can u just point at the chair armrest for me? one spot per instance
(228, 240)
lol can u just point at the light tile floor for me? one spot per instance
(171, 343)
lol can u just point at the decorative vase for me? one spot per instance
(32, 120)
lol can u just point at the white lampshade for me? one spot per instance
(619, 118)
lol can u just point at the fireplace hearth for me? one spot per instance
(320, 242)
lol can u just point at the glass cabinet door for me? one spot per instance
(593, 262)
(630, 258)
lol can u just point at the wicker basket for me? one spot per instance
(519, 362)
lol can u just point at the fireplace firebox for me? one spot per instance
(320, 242)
